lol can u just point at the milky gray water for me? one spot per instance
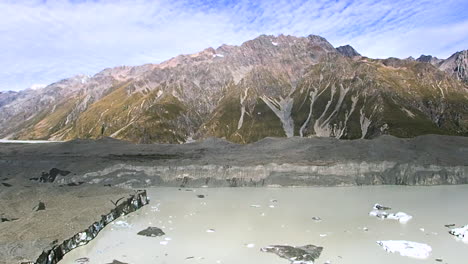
(283, 216)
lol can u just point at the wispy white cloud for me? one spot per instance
(44, 41)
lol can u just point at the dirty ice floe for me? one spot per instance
(378, 212)
(461, 233)
(316, 219)
(406, 248)
(400, 216)
(381, 207)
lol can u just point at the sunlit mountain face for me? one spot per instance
(280, 86)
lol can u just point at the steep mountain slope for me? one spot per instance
(347, 51)
(457, 65)
(268, 86)
(7, 97)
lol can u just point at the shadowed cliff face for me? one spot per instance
(269, 86)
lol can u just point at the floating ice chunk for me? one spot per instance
(400, 216)
(155, 208)
(83, 260)
(165, 242)
(210, 231)
(255, 205)
(316, 219)
(323, 235)
(380, 207)
(378, 214)
(271, 206)
(121, 223)
(406, 248)
(461, 233)
(250, 245)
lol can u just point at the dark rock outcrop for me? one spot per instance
(52, 174)
(7, 219)
(39, 207)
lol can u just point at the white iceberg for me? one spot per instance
(406, 248)
(378, 211)
(378, 214)
(400, 216)
(461, 233)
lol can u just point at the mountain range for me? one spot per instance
(281, 86)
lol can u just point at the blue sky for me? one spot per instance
(45, 41)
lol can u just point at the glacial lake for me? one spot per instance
(231, 225)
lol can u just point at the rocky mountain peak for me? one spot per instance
(457, 65)
(429, 59)
(348, 51)
(321, 42)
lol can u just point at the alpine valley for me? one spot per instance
(271, 86)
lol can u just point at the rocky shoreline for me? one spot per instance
(42, 234)
(54, 255)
